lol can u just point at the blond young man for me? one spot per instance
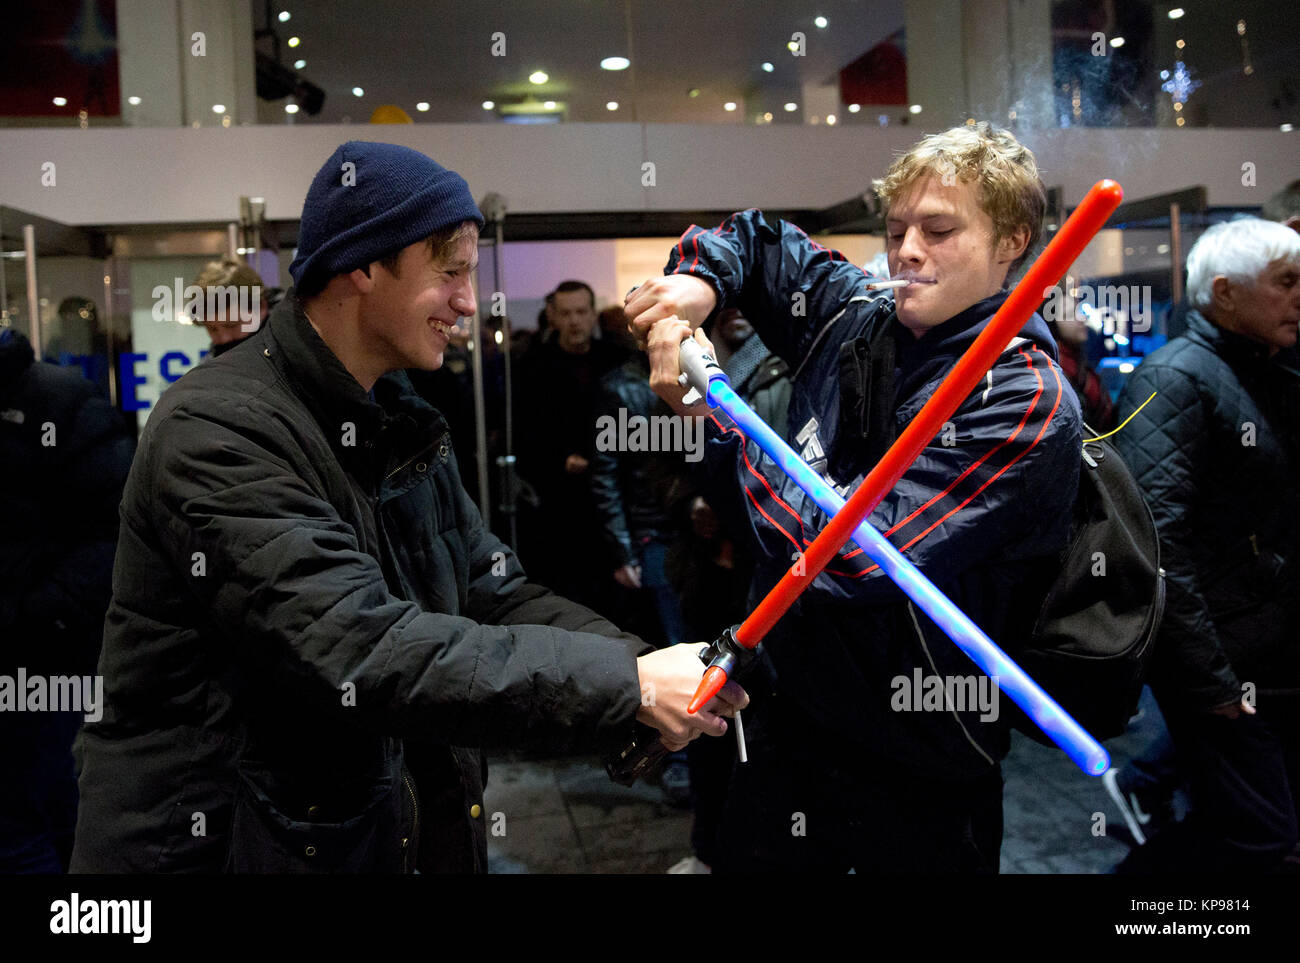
(851, 765)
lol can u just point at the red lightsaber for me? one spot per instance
(1075, 234)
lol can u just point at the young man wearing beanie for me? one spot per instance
(312, 634)
(849, 766)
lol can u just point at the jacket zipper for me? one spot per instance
(409, 460)
(415, 823)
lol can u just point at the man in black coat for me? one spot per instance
(65, 455)
(312, 633)
(1217, 454)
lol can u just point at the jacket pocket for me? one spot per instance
(264, 839)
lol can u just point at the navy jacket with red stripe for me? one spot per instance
(984, 511)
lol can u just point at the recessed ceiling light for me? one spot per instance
(60, 101)
(854, 108)
(767, 67)
(767, 116)
(1287, 128)
(358, 92)
(538, 77)
(1176, 12)
(820, 22)
(299, 64)
(915, 109)
(549, 105)
(218, 108)
(693, 92)
(729, 105)
(1180, 44)
(615, 63)
(1117, 42)
(791, 107)
(830, 119)
(133, 101)
(294, 41)
(611, 105)
(487, 105)
(291, 108)
(284, 16)
(792, 46)
(422, 105)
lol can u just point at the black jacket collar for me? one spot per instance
(388, 421)
(1236, 349)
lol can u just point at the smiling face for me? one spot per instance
(940, 234)
(406, 319)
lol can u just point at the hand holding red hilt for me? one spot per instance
(647, 750)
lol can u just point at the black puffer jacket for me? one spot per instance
(1217, 454)
(306, 606)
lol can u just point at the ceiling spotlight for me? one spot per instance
(767, 67)
(549, 105)
(358, 92)
(294, 41)
(291, 108)
(1180, 44)
(914, 109)
(299, 64)
(1117, 42)
(729, 105)
(792, 46)
(1287, 128)
(693, 92)
(820, 22)
(830, 120)
(1176, 12)
(538, 77)
(218, 108)
(615, 63)
(791, 106)
(487, 105)
(60, 101)
(767, 116)
(611, 105)
(854, 108)
(284, 16)
(133, 101)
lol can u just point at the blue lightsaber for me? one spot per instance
(699, 370)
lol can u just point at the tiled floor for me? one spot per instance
(565, 816)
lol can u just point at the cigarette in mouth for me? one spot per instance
(887, 285)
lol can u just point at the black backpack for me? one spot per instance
(1094, 634)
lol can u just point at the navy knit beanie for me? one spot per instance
(368, 202)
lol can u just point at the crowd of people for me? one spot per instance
(310, 638)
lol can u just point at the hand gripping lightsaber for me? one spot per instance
(848, 519)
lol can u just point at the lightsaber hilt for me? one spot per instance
(724, 657)
(698, 370)
(647, 750)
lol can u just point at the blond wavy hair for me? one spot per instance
(1004, 171)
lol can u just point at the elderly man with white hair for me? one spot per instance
(1217, 453)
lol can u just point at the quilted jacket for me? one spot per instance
(1217, 454)
(312, 634)
(979, 511)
